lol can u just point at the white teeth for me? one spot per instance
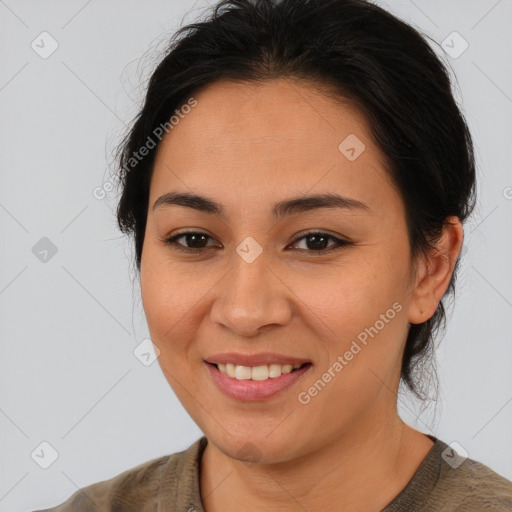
(243, 372)
(262, 372)
(230, 370)
(259, 373)
(274, 370)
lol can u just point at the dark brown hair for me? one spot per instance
(364, 54)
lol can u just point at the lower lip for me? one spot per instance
(249, 390)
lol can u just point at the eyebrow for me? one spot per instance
(282, 209)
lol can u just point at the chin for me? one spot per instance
(256, 446)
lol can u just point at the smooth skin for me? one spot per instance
(247, 147)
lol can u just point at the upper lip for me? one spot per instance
(254, 359)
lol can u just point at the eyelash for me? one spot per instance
(340, 244)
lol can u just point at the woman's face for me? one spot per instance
(258, 286)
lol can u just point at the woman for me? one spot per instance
(296, 184)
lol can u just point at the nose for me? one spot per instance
(252, 297)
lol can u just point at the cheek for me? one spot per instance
(176, 298)
(356, 311)
(360, 346)
(168, 296)
(350, 296)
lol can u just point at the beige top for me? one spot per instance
(171, 483)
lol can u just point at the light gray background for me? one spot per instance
(68, 327)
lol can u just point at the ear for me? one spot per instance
(435, 271)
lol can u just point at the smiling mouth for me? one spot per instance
(257, 373)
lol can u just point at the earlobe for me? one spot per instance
(435, 272)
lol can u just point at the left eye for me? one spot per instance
(317, 240)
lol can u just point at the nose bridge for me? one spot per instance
(251, 296)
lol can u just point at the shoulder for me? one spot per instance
(136, 489)
(469, 486)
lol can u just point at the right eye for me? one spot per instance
(193, 237)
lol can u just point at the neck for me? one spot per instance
(363, 469)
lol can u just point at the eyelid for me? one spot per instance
(171, 239)
(339, 242)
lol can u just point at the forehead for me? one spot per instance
(259, 139)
